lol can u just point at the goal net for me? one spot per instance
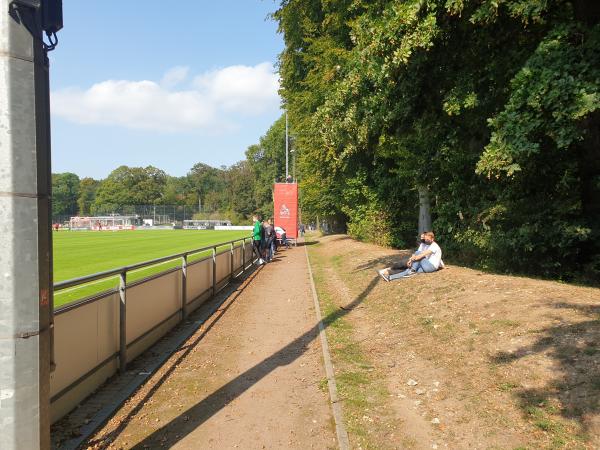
(99, 223)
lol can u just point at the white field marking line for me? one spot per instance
(336, 406)
(102, 280)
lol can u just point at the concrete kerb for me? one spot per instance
(340, 429)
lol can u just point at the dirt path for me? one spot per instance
(253, 380)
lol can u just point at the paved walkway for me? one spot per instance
(250, 377)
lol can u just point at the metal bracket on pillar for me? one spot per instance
(231, 260)
(244, 255)
(214, 271)
(184, 305)
(123, 322)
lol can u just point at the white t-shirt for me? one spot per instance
(435, 257)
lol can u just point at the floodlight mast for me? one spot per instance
(25, 215)
(287, 173)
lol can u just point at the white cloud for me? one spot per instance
(213, 102)
(242, 89)
(174, 76)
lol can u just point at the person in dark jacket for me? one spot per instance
(269, 233)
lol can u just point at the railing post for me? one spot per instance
(244, 255)
(184, 306)
(214, 271)
(123, 322)
(231, 261)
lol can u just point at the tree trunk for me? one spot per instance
(424, 209)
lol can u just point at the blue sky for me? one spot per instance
(167, 84)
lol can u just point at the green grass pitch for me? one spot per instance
(80, 253)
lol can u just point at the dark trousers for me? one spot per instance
(256, 249)
(269, 249)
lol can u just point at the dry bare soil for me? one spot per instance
(460, 358)
(249, 378)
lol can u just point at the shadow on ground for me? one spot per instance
(305, 243)
(384, 261)
(229, 295)
(193, 417)
(575, 348)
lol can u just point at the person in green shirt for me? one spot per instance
(257, 238)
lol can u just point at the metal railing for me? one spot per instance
(121, 272)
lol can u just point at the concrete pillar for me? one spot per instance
(25, 239)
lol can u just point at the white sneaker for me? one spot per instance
(261, 261)
(383, 274)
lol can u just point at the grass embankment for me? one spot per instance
(459, 358)
(81, 253)
(360, 387)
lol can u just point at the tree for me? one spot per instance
(267, 162)
(130, 186)
(483, 109)
(65, 191)
(208, 183)
(240, 185)
(87, 194)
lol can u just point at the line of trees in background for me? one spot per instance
(488, 110)
(234, 192)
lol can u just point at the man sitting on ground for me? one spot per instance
(427, 259)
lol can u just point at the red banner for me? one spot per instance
(285, 197)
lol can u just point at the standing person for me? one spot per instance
(274, 241)
(301, 229)
(256, 238)
(269, 237)
(263, 224)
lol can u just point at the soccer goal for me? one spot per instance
(100, 223)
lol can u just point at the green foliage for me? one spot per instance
(493, 105)
(551, 98)
(266, 160)
(130, 186)
(367, 219)
(65, 191)
(87, 195)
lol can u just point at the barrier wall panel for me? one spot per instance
(108, 326)
(147, 341)
(151, 302)
(249, 255)
(67, 402)
(223, 263)
(198, 301)
(86, 337)
(199, 278)
(77, 346)
(237, 259)
(75, 353)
